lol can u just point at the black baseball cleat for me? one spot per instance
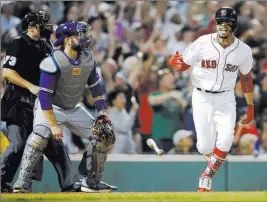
(100, 187)
(71, 188)
(5, 188)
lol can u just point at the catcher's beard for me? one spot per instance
(75, 46)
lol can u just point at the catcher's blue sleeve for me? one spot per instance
(47, 86)
(94, 83)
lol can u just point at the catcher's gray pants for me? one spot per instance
(77, 120)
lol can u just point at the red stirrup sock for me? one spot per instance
(216, 160)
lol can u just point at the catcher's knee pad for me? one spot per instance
(33, 151)
(38, 139)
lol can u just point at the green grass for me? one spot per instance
(139, 196)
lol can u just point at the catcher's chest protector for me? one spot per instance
(72, 79)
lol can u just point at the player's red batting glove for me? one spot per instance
(176, 61)
(250, 115)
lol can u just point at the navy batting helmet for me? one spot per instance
(74, 28)
(226, 14)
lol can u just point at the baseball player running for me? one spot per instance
(216, 59)
(63, 79)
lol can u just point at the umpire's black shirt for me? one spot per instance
(24, 56)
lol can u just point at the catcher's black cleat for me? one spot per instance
(100, 187)
(71, 188)
(5, 188)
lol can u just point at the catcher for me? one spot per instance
(63, 79)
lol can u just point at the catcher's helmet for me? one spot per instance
(227, 14)
(74, 28)
(39, 17)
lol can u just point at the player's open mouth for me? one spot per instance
(223, 30)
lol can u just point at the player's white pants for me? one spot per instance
(77, 120)
(214, 118)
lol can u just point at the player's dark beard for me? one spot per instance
(223, 37)
(76, 47)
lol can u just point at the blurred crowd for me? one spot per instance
(133, 41)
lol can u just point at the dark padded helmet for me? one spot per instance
(227, 14)
(39, 17)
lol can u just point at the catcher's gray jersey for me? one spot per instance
(72, 77)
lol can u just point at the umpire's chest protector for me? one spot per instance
(72, 78)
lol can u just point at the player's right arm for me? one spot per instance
(48, 81)
(189, 57)
(10, 66)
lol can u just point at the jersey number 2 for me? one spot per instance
(12, 60)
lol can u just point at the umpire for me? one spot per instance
(21, 69)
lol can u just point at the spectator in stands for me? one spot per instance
(167, 105)
(8, 20)
(88, 101)
(146, 85)
(101, 39)
(264, 130)
(183, 39)
(246, 135)
(122, 122)
(182, 139)
(254, 38)
(263, 94)
(8, 23)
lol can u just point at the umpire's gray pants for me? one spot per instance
(10, 159)
(55, 152)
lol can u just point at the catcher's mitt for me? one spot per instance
(104, 131)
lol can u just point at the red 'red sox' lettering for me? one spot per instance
(209, 64)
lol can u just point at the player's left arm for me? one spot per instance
(97, 91)
(247, 86)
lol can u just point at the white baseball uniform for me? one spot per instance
(215, 69)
